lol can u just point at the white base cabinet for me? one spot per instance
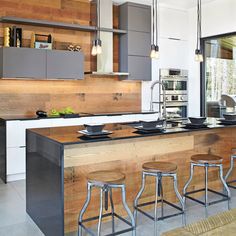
(16, 136)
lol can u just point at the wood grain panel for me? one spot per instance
(128, 156)
(19, 97)
(79, 155)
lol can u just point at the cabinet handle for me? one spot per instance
(22, 146)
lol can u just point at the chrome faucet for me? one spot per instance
(164, 115)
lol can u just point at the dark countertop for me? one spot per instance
(70, 135)
(22, 117)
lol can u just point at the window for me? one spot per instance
(219, 77)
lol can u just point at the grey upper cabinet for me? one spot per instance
(22, 63)
(135, 45)
(65, 65)
(135, 17)
(40, 64)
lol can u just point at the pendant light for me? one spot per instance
(154, 43)
(198, 51)
(97, 43)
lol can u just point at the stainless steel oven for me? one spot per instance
(176, 92)
(177, 110)
(176, 81)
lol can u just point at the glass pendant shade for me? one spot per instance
(99, 46)
(157, 54)
(153, 51)
(94, 48)
(198, 56)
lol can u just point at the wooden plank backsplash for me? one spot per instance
(23, 97)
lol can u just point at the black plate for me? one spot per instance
(97, 134)
(195, 126)
(149, 130)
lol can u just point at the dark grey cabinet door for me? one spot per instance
(139, 68)
(135, 45)
(23, 63)
(139, 43)
(139, 18)
(65, 65)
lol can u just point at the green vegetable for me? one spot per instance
(54, 112)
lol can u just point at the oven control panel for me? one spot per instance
(176, 98)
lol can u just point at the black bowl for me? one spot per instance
(94, 128)
(151, 123)
(197, 120)
(40, 113)
(230, 116)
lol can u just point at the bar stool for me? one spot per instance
(158, 170)
(106, 181)
(206, 161)
(233, 157)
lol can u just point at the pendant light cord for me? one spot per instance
(98, 16)
(157, 7)
(199, 23)
(153, 22)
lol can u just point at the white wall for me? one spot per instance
(218, 17)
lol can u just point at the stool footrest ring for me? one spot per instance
(225, 197)
(229, 183)
(90, 232)
(162, 217)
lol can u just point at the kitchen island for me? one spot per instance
(58, 160)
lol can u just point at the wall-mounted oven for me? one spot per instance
(176, 81)
(176, 92)
(177, 110)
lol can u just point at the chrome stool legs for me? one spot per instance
(106, 189)
(226, 197)
(158, 193)
(230, 171)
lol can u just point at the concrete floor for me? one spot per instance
(15, 222)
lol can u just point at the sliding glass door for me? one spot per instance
(219, 75)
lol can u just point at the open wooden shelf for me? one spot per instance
(54, 24)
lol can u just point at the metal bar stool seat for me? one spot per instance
(233, 157)
(206, 161)
(158, 170)
(106, 181)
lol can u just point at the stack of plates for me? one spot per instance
(195, 126)
(223, 121)
(157, 129)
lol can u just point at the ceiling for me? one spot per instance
(185, 4)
